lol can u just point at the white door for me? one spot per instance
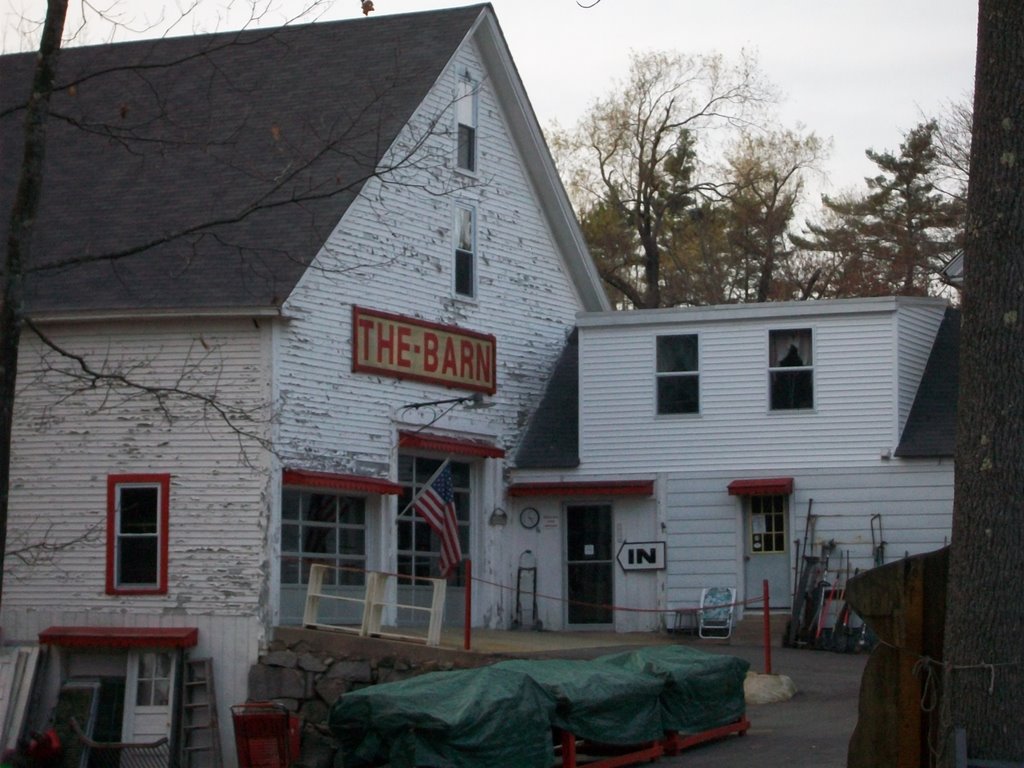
(149, 695)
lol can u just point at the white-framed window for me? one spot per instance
(325, 528)
(137, 533)
(791, 369)
(678, 374)
(465, 118)
(465, 251)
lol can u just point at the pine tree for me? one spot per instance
(895, 238)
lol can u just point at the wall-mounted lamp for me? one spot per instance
(499, 517)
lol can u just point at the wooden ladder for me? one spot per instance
(200, 733)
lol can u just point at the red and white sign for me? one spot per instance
(406, 348)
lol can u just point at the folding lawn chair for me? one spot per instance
(714, 617)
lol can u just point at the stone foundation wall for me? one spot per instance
(308, 671)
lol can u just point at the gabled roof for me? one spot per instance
(953, 272)
(148, 139)
(552, 439)
(930, 431)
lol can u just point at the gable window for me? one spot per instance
(465, 115)
(790, 369)
(678, 374)
(137, 532)
(465, 251)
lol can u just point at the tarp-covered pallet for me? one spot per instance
(637, 705)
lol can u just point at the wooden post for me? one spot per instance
(767, 630)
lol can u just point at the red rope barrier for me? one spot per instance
(582, 603)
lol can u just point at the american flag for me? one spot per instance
(436, 504)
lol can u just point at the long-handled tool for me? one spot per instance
(877, 542)
(806, 564)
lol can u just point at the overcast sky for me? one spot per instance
(860, 72)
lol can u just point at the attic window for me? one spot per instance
(465, 114)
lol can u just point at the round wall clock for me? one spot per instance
(529, 517)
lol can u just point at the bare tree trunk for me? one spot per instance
(983, 688)
(764, 283)
(23, 214)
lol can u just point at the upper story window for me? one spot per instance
(790, 369)
(465, 115)
(137, 532)
(465, 251)
(678, 374)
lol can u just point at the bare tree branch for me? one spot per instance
(42, 547)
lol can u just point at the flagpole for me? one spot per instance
(425, 486)
(468, 620)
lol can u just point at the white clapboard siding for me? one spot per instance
(704, 523)
(67, 444)
(393, 250)
(856, 410)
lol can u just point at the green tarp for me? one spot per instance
(465, 718)
(702, 690)
(502, 715)
(597, 702)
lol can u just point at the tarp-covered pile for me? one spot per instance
(504, 714)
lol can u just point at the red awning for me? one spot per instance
(339, 482)
(769, 486)
(459, 447)
(596, 488)
(120, 637)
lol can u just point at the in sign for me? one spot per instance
(642, 556)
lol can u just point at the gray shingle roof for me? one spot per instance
(155, 137)
(552, 439)
(930, 431)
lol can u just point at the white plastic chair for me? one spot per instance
(714, 617)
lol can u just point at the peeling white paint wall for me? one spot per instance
(68, 442)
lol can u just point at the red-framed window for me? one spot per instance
(138, 508)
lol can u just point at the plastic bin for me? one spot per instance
(267, 735)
